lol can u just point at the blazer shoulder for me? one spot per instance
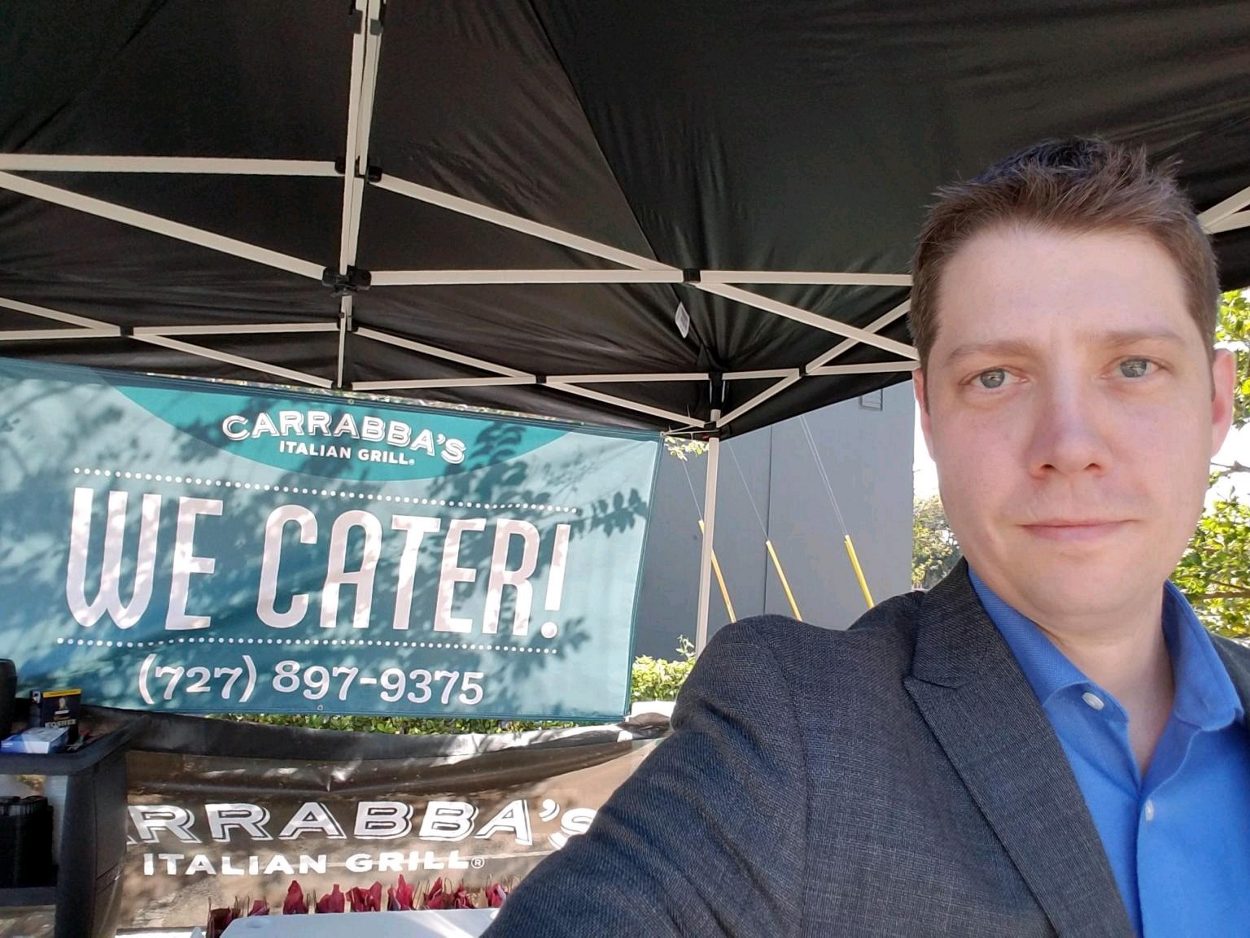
(1233, 649)
(1236, 657)
(892, 623)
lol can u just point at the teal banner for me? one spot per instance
(200, 547)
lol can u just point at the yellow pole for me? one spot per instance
(785, 584)
(859, 573)
(720, 579)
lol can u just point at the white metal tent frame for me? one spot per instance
(1231, 213)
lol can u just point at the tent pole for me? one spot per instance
(1229, 223)
(709, 521)
(344, 325)
(164, 226)
(807, 317)
(1234, 203)
(823, 359)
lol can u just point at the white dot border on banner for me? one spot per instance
(376, 643)
(329, 493)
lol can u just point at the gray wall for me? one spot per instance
(867, 453)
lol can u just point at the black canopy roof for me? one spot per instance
(644, 212)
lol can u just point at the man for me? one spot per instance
(1048, 742)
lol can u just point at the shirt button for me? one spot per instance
(1093, 700)
(1149, 811)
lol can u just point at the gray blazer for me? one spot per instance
(899, 778)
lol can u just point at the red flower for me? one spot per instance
(401, 897)
(495, 895)
(436, 898)
(333, 902)
(462, 899)
(295, 903)
(218, 920)
(365, 900)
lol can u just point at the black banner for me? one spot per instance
(220, 812)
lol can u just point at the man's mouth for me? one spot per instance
(1074, 529)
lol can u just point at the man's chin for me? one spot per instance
(1089, 594)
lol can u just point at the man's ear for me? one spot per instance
(1223, 382)
(922, 407)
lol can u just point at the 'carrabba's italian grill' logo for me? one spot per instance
(319, 433)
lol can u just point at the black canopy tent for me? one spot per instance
(688, 216)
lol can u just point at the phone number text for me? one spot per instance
(159, 680)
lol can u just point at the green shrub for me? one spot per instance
(660, 679)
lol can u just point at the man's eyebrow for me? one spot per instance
(1120, 337)
(1019, 348)
(1002, 348)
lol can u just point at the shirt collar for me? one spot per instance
(1205, 695)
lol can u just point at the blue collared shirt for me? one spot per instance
(1179, 839)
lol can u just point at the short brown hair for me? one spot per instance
(1079, 185)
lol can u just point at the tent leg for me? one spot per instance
(345, 325)
(705, 562)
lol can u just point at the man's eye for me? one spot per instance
(1135, 367)
(994, 378)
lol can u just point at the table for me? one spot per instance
(430, 923)
(93, 834)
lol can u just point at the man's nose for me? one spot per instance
(1069, 432)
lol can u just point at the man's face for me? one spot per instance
(1071, 415)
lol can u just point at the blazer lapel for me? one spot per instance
(986, 717)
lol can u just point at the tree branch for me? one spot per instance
(1223, 471)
